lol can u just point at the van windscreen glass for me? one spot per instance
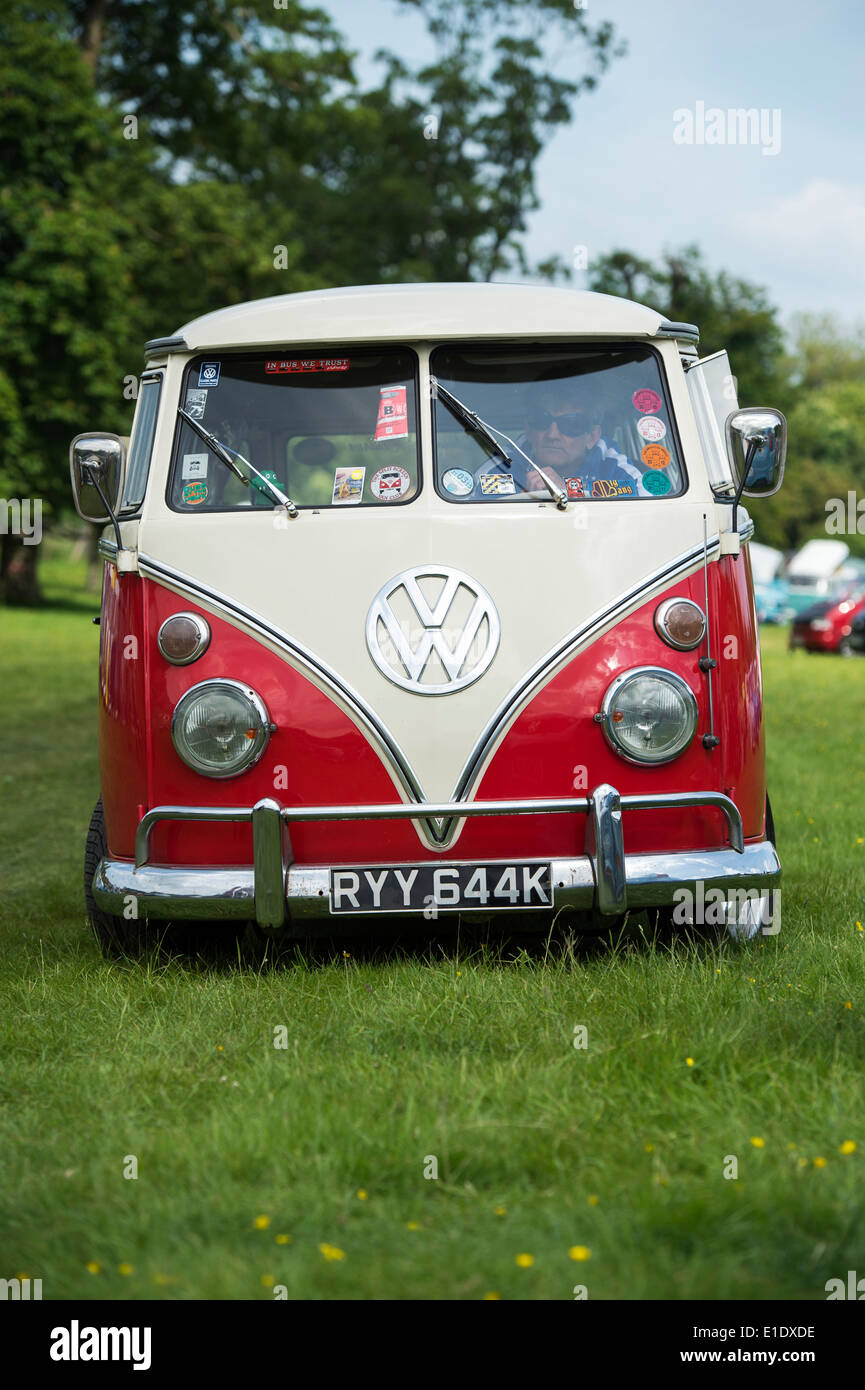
(335, 427)
(595, 419)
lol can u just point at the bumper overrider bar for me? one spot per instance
(604, 878)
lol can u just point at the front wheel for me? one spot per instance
(117, 936)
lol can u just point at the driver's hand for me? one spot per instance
(535, 483)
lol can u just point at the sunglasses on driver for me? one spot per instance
(571, 424)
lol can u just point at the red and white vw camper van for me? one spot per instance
(424, 600)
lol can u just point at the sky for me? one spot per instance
(792, 221)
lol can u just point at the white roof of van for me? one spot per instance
(819, 558)
(765, 561)
(406, 313)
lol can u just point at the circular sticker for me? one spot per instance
(459, 482)
(648, 402)
(655, 456)
(193, 493)
(389, 484)
(650, 427)
(656, 483)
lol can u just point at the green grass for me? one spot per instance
(390, 1058)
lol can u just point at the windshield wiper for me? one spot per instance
(473, 422)
(227, 455)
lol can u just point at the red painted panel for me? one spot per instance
(318, 756)
(122, 707)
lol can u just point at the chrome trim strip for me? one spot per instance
(268, 866)
(107, 549)
(609, 850)
(199, 813)
(219, 894)
(203, 893)
(436, 836)
(401, 810)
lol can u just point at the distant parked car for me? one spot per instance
(815, 572)
(771, 594)
(827, 626)
(857, 632)
(773, 602)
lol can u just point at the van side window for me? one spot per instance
(141, 447)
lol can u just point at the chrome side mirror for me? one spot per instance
(97, 465)
(757, 448)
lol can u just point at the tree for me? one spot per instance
(730, 312)
(428, 176)
(158, 155)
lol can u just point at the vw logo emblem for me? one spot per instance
(432, 630)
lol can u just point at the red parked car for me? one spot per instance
(826, 626)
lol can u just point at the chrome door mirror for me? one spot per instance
(97, 466)
(757, 448)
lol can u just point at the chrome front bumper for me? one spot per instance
(274, 890)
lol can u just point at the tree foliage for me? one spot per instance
(730, 313)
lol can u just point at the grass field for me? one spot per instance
(303, 1166)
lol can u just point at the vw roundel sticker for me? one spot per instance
(208, 374)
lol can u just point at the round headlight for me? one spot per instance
(680, 623)
(183, 638)
(649, 715)
(220, 728)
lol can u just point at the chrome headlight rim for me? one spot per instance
(204, 635)
(658, 673)
(256, 746)
(660, 620)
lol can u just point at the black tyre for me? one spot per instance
(117, 936)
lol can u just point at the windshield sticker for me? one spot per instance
(656, 483)
(347, 485)
(655, 456)
(459, 482)
(195, 403)
(308, 364)
(389, 484)
(647, 401)
(497, 483)
(262, 496)
(392, 420)
(575, 487)
(208, 374)
(650, 427)
(194, 466)
(609, 487)
(193, 493)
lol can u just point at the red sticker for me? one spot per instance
(575, 487)
(308, 364)
(392, 420)
(648, 402)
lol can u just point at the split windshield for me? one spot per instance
(595, 420)
(332, 428)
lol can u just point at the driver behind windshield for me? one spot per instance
(563, 435)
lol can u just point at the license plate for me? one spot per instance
(433, 888)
